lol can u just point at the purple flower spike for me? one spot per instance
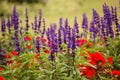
(85, 25)
(73, 43)
(9, 25)
(3, 27)
(76, 27)
(15, 18)
(85, 22)
(27, 21)
(44, 28)
(38, 45)
(40, 20)
(35, 24)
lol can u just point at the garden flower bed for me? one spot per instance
(60, 52)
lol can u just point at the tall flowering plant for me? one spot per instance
(60, 52)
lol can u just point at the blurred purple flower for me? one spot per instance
(3, 27)
(27, 21)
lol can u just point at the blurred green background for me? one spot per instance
(54, 9)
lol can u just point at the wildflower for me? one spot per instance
(99, 57)
(12, 61)
(36, 56)
(90, 44)
(110, 60)
(47, 51)
(27, 38)
(96, 57)
(102, 38)
(81, 42)
(44, 40)
(18, 63)
(7, 56)
(38, 37)
(115, 72)
(28, 47)
(1, 78)
(101, 44)
(90, 73)
(14, 53)
(1, 68)
(87, 71)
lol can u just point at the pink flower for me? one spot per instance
(44, 40)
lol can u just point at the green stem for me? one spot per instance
(99, 76)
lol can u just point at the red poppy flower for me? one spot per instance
(1, 69)
(7, 56)
(90, 44)
(28, 47)
(18, 63)
(115, 72)
(81, 42)
(14, 53)
(90, 73)
(101, 44)
(96, 57)
(99, 57)
(110, 60)
(1, 78)
(36, 55)
(12, 61)
(87, 71)
(27, 38)
(47, 51)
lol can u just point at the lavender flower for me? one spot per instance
(40, 20)
(85, 25)
(3, 27)
(73, 43)
(15, 18)
(35, 24)
(9, 25)
(44, 28)
(65, 30)
(54, 46)
(69, 45)
(48, 36)
(103, 33)
(92, 28)
(76, 27)
(27, 21)
(96, 19)
(108, 19)
(38, 45)
(60, 30)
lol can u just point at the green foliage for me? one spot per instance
(114, 50)
(63, 68)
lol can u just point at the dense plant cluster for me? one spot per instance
(60, 52)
